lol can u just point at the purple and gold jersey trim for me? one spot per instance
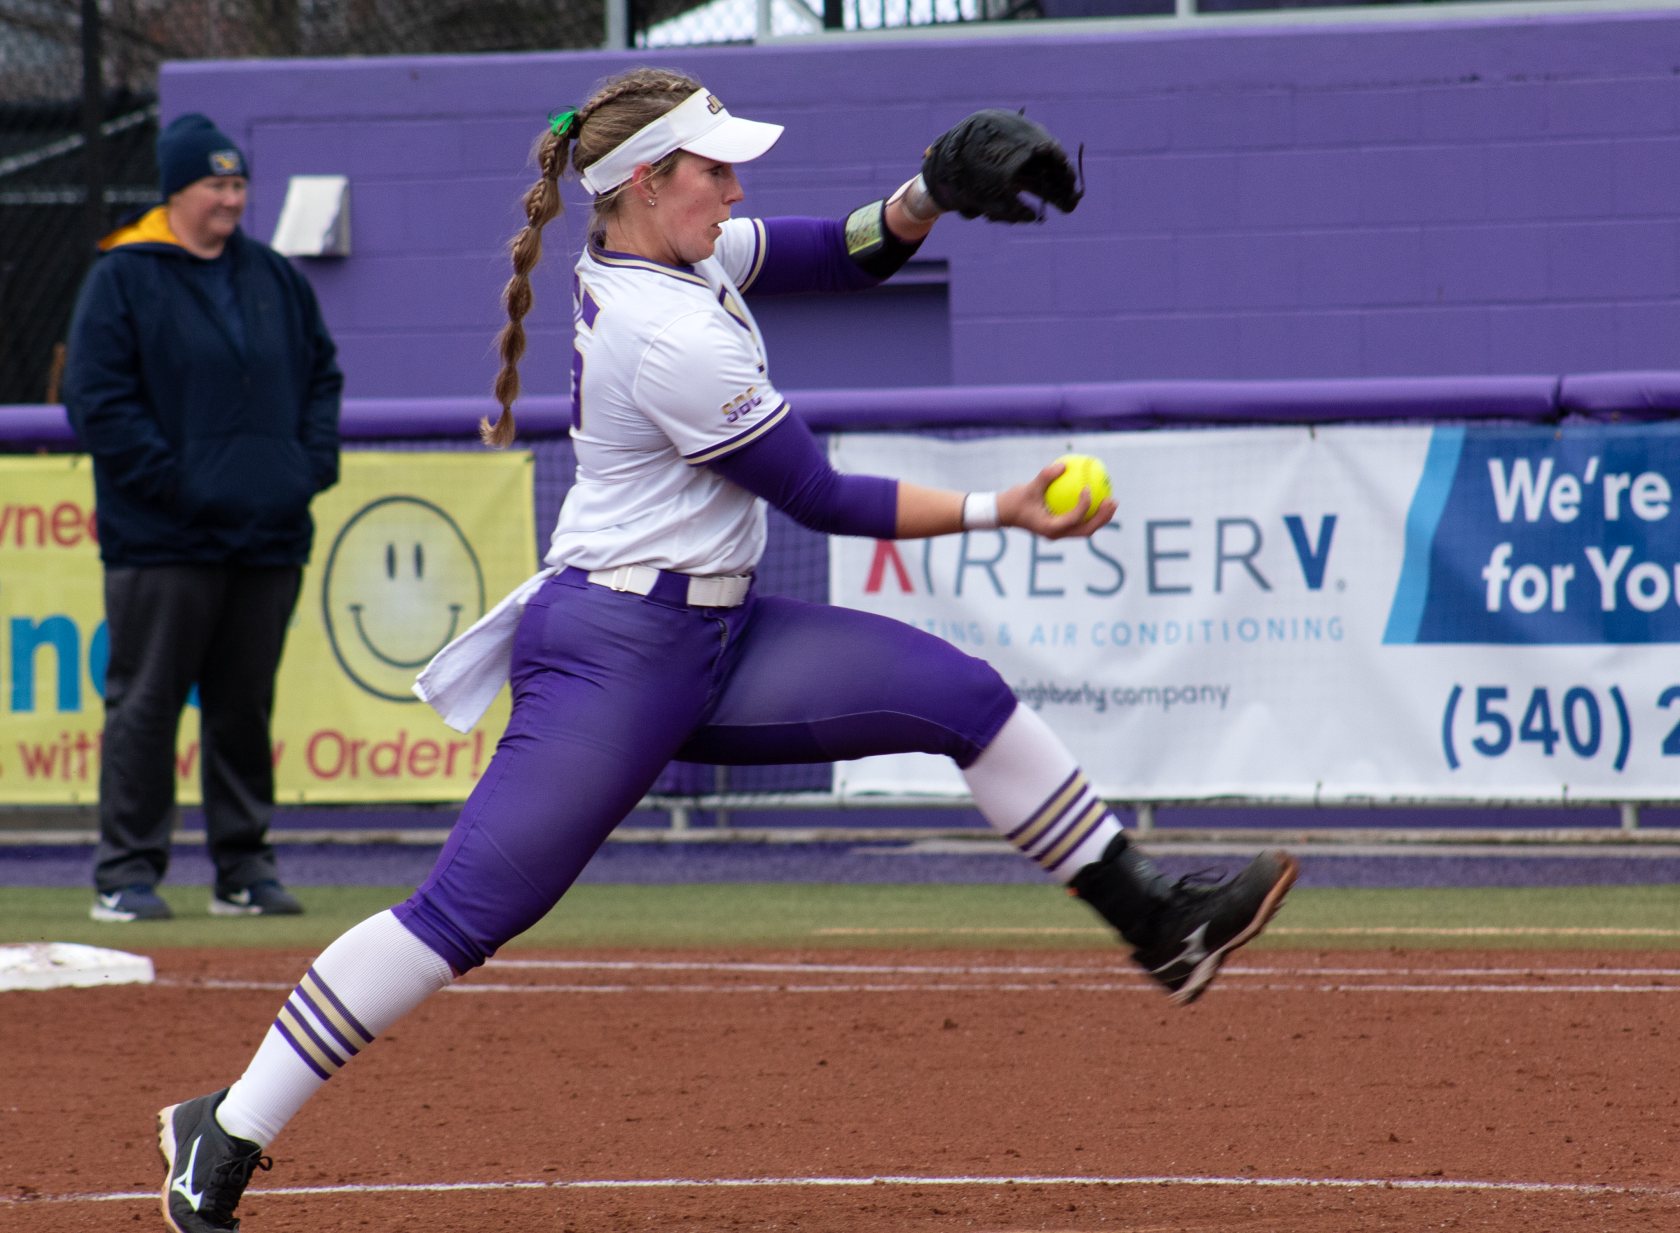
(588, 308)
(319, 1027)
(735, 311)
(740, 440)
(760, 245)
(627, 261)
(1063, 822)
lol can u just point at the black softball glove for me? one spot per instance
(983, 165)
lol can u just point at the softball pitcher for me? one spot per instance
(644, 640)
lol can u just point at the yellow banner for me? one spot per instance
(410, 549)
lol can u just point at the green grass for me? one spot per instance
(31, 914)
(785, 915)
(1580, 917)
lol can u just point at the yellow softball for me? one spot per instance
(1082, 472)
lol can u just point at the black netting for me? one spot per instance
(47, 233)
(41, 39)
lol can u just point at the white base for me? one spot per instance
(54, 965)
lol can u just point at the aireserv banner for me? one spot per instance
(1330, 614)
(409, 550)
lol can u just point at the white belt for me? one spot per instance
(722, 591)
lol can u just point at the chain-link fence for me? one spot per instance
(47, 229)
(736, 21)
(730, 21)
(45, 234)
(40, 40)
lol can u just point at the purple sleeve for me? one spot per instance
(806, 255)
(786, 468)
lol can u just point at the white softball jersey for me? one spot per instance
(668, 373)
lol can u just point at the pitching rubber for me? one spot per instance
(1204, 972)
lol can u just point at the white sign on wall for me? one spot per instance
(1339, 614)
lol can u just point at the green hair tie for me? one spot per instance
(562, 121)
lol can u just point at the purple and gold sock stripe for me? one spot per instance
(1077, 832)
(320, 1027)
(1055, 807)
(1062, 823)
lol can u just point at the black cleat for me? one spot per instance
(1181, 932)
(207, 1168)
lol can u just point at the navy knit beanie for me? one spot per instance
(192, 148)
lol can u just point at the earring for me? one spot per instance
(652, 202)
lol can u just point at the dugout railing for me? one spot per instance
(704, 802)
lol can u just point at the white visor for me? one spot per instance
(699, 124)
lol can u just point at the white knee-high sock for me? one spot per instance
(362, 984)
(1030, 789)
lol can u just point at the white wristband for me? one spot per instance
(980, 511)
(918, 202)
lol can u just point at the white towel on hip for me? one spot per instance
(464, 678)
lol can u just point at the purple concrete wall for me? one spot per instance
(1454, 198)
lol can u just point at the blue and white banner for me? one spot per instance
(1336, 615)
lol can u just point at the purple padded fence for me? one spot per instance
(1116, 405)
(1622, 395)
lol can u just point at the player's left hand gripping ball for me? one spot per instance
(1082, 472)
(983, 165)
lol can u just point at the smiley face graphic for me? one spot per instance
(400, 582)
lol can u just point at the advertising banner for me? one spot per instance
(410, 549)
(52, 633)
(1333, 615)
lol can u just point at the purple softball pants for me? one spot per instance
(609, 686)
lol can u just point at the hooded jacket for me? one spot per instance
(206, 448)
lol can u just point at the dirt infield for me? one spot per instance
(1311, 1091)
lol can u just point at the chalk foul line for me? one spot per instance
(1228, 986)
(1086, 969)
(716, 1183)
(1085, 978)
(1472, 931)
(1372, 931)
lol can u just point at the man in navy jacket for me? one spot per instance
(203, 381)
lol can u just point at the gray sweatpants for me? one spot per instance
(173, 626)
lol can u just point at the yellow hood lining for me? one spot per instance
(150, 228)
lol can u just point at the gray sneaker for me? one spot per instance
(266, 898)
(206, 1168)
(136, 902)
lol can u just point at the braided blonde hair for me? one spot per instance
(621, 106)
